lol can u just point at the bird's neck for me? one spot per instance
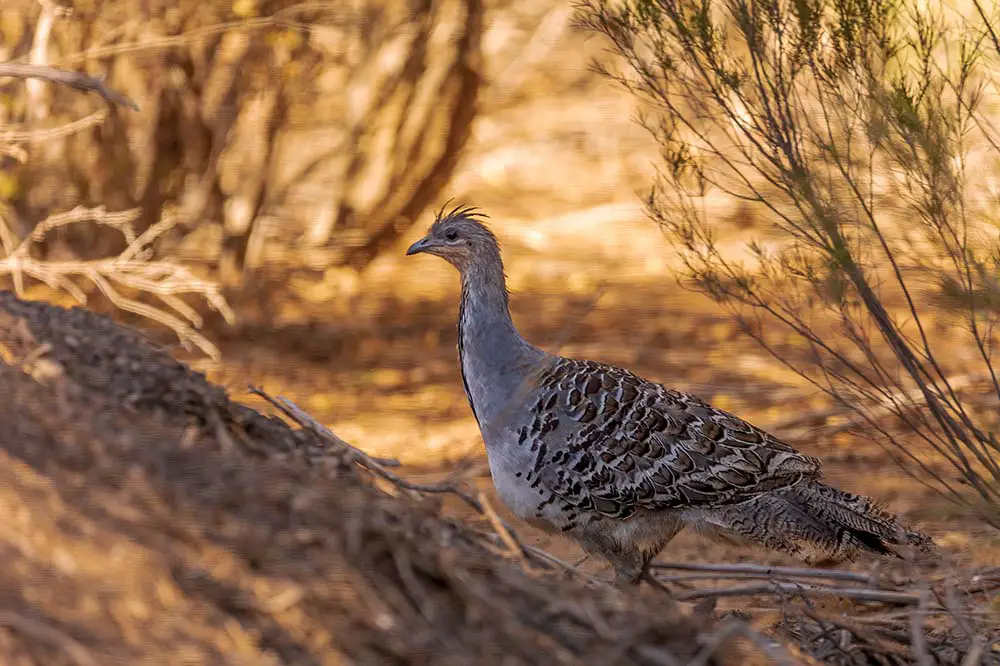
(494, 357)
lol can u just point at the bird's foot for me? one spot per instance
(655, 583)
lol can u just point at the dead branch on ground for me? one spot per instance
(945, 618)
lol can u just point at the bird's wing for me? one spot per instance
(608, 441)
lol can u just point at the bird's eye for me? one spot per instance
(451, 235)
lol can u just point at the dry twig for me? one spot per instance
(804, 589)
(75, 80)
(888, 405)
(9, 138)
(45, 633)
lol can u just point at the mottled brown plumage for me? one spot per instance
(620, 463)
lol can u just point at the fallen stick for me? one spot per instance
(297, 414)
(764, 571)
(803, 590)
(44, 633)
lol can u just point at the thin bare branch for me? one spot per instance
(133, 270)
(805, 590)
(75, 80)
(721, 570)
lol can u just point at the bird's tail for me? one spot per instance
(815, 521)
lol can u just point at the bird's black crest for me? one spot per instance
(467, 213)
(470, 212)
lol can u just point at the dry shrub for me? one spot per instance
(864, 134)
(124, 278)
(308, 132)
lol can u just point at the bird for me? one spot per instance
(621, 464)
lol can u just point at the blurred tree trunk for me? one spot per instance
(319, 130)
(431, 129)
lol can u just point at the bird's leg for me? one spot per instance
(627, 576)
(653, 582)
(630, 558)
(628, 563)
(668, 529)
(632, 577)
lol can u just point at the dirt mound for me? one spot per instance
(149, 520)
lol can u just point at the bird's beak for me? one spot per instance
(421, 245)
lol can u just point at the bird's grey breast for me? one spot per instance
(522, 446)
(532, 458)
(510, 467)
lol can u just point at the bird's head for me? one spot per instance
(460, 238)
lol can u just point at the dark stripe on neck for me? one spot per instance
(461, 353)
